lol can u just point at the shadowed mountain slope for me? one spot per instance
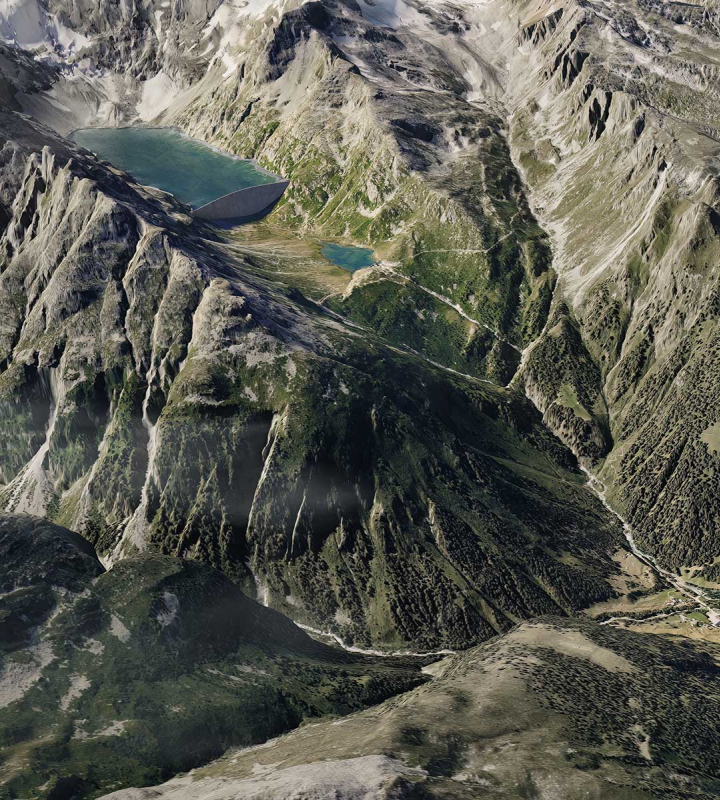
(156, 666)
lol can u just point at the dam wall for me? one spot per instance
(244, 203)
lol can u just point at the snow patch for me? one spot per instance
(158, 94)
(25, 24)
(22, 23)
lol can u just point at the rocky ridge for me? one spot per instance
(440, 174)
(158, 393)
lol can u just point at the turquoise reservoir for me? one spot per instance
(349, 258)
(162, 157)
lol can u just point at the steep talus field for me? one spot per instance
(129, 676)
(159, 394)
(553, 709)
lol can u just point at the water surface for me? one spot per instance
(162, 157)
(349, 258)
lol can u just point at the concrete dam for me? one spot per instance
(218, 186)
(249, 203)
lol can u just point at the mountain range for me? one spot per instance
(495, 447)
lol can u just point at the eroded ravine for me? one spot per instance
(594, 484)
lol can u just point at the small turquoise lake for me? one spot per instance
(162, 157)
(349, 258)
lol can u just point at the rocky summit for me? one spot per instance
(406, 486)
